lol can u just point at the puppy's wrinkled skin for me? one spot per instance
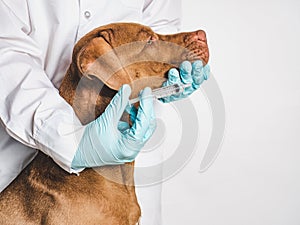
(103, 60)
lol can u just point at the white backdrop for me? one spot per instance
(254, 48)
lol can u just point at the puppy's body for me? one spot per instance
(103, 60)
(45, 194)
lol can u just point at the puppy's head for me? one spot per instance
(128, 53)
(124, 53)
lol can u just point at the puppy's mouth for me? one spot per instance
(174, 54)
(196, 50)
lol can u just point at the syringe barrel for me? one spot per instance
(165, 91)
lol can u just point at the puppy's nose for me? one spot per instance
(196, 43)
(198, 35)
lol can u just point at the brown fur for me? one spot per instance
(103, 60)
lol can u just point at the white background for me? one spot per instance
(254, 48)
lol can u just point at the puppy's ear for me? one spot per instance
(97, 58)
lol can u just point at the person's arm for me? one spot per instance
(33, 113)
(31, 109)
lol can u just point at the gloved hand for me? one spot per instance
(188, 73)
(108, 141)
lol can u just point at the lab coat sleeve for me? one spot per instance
(163, 16)
(32, 110)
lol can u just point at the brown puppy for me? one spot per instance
(103, 60)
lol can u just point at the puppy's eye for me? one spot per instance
(150, 41)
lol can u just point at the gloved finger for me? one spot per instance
(150, 131)
(206, 72)
(116, 107)
(145, 119)
(152, 127)
(173, 77)
(130, 154)
(199, 73)
(185, 69)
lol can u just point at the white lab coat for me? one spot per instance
(36, 42)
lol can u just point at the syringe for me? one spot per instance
(165, 91)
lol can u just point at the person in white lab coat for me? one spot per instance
(36, 42)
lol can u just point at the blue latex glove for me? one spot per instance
(188, 73)
(109, 141)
